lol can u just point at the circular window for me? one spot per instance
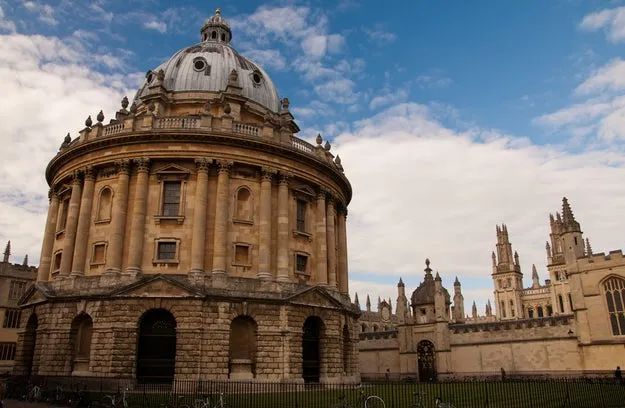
(199, 64)
(256, 78)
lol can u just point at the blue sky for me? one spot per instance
(449, 116)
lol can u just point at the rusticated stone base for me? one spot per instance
(203, 318)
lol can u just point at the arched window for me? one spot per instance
(561, 303)
(29, 343)
(512, 313)
(242, 348)
(104, 205)
(539, 311)
(346, 349)
(243, 210)
(615, 298)
(549, 310)
(503, 309)
(499, 283)
(82, 330)
(375, 327)
(364, 328)
(530, 313)
(214, 35)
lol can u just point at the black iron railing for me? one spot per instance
(512, 393)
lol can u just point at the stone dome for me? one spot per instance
(424, 294)
(209, 65)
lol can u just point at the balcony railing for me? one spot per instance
(245, 129)
(113, 129)
(177, 123)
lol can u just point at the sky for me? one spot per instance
(450, 117)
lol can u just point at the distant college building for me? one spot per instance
(572, 324)
(194, 236)
(14, 281)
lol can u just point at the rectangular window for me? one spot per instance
(7, 351)
(98, 254)
(241, 254)
(16, 290)
(11, 319)
(166, 251)
(57, 261)
(301, 263)
(171, 198)
(64, 211)
(301, 216)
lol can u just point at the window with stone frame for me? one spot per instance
(539, 311)
(530, 313)
(7, 351)
(503, 308)
(171, 204)
(17, 289)
(56, 264)
(62, 221)
(98, 256)
(11, 319)
(614, 289)
(241, 254)
(301, 263)
(512, 312)
(171, 198)
(166, 250)
(82, 333)
(300, 220)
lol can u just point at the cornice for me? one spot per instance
(194, 136)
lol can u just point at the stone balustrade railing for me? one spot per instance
(190, 122)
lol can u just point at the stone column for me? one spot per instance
(331, 239)
(320, 236)
(284, 274)
(45, 260)
(69, 240)
(198, 239)
(139, 212)
(342, 261)
(84, 222)
(264, 226)
(221, 218)
(118, 219)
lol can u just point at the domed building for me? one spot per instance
(194, 237)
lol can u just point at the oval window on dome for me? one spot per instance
(257, 78)
(199, 64)
(149, 76)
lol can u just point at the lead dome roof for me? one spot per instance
(206, 66)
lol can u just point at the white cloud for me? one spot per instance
(337, 91)
(45, 12)
(380, 36)
(155, 25)
(610, 77)
(5, 24)
(432, 81)
(387, 98)
(267, 58)
(422, 189)
(612, 21)
(47, 91)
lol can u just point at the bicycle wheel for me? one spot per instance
(374, 401)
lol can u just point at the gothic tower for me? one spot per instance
(507, 278)
(458, 310)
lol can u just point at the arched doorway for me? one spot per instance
(156, 352)
(311, 349)
(81, 333)
(426, 361)
(30, 343)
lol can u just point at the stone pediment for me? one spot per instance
(35, 294)
(318, 297)
(157, 286)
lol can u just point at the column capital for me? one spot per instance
(52, 194)
(322, 193)
(76, 177)
(284, 177)
(267, 173)
(224, 166)
(89, 173)
(142, 164)
(123, 166)
(202, 164)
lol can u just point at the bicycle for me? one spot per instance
(117, 400)
(368, 401)
(34, 395)
(442, 404)
(206, 403)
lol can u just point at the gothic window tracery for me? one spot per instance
(615, 299)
